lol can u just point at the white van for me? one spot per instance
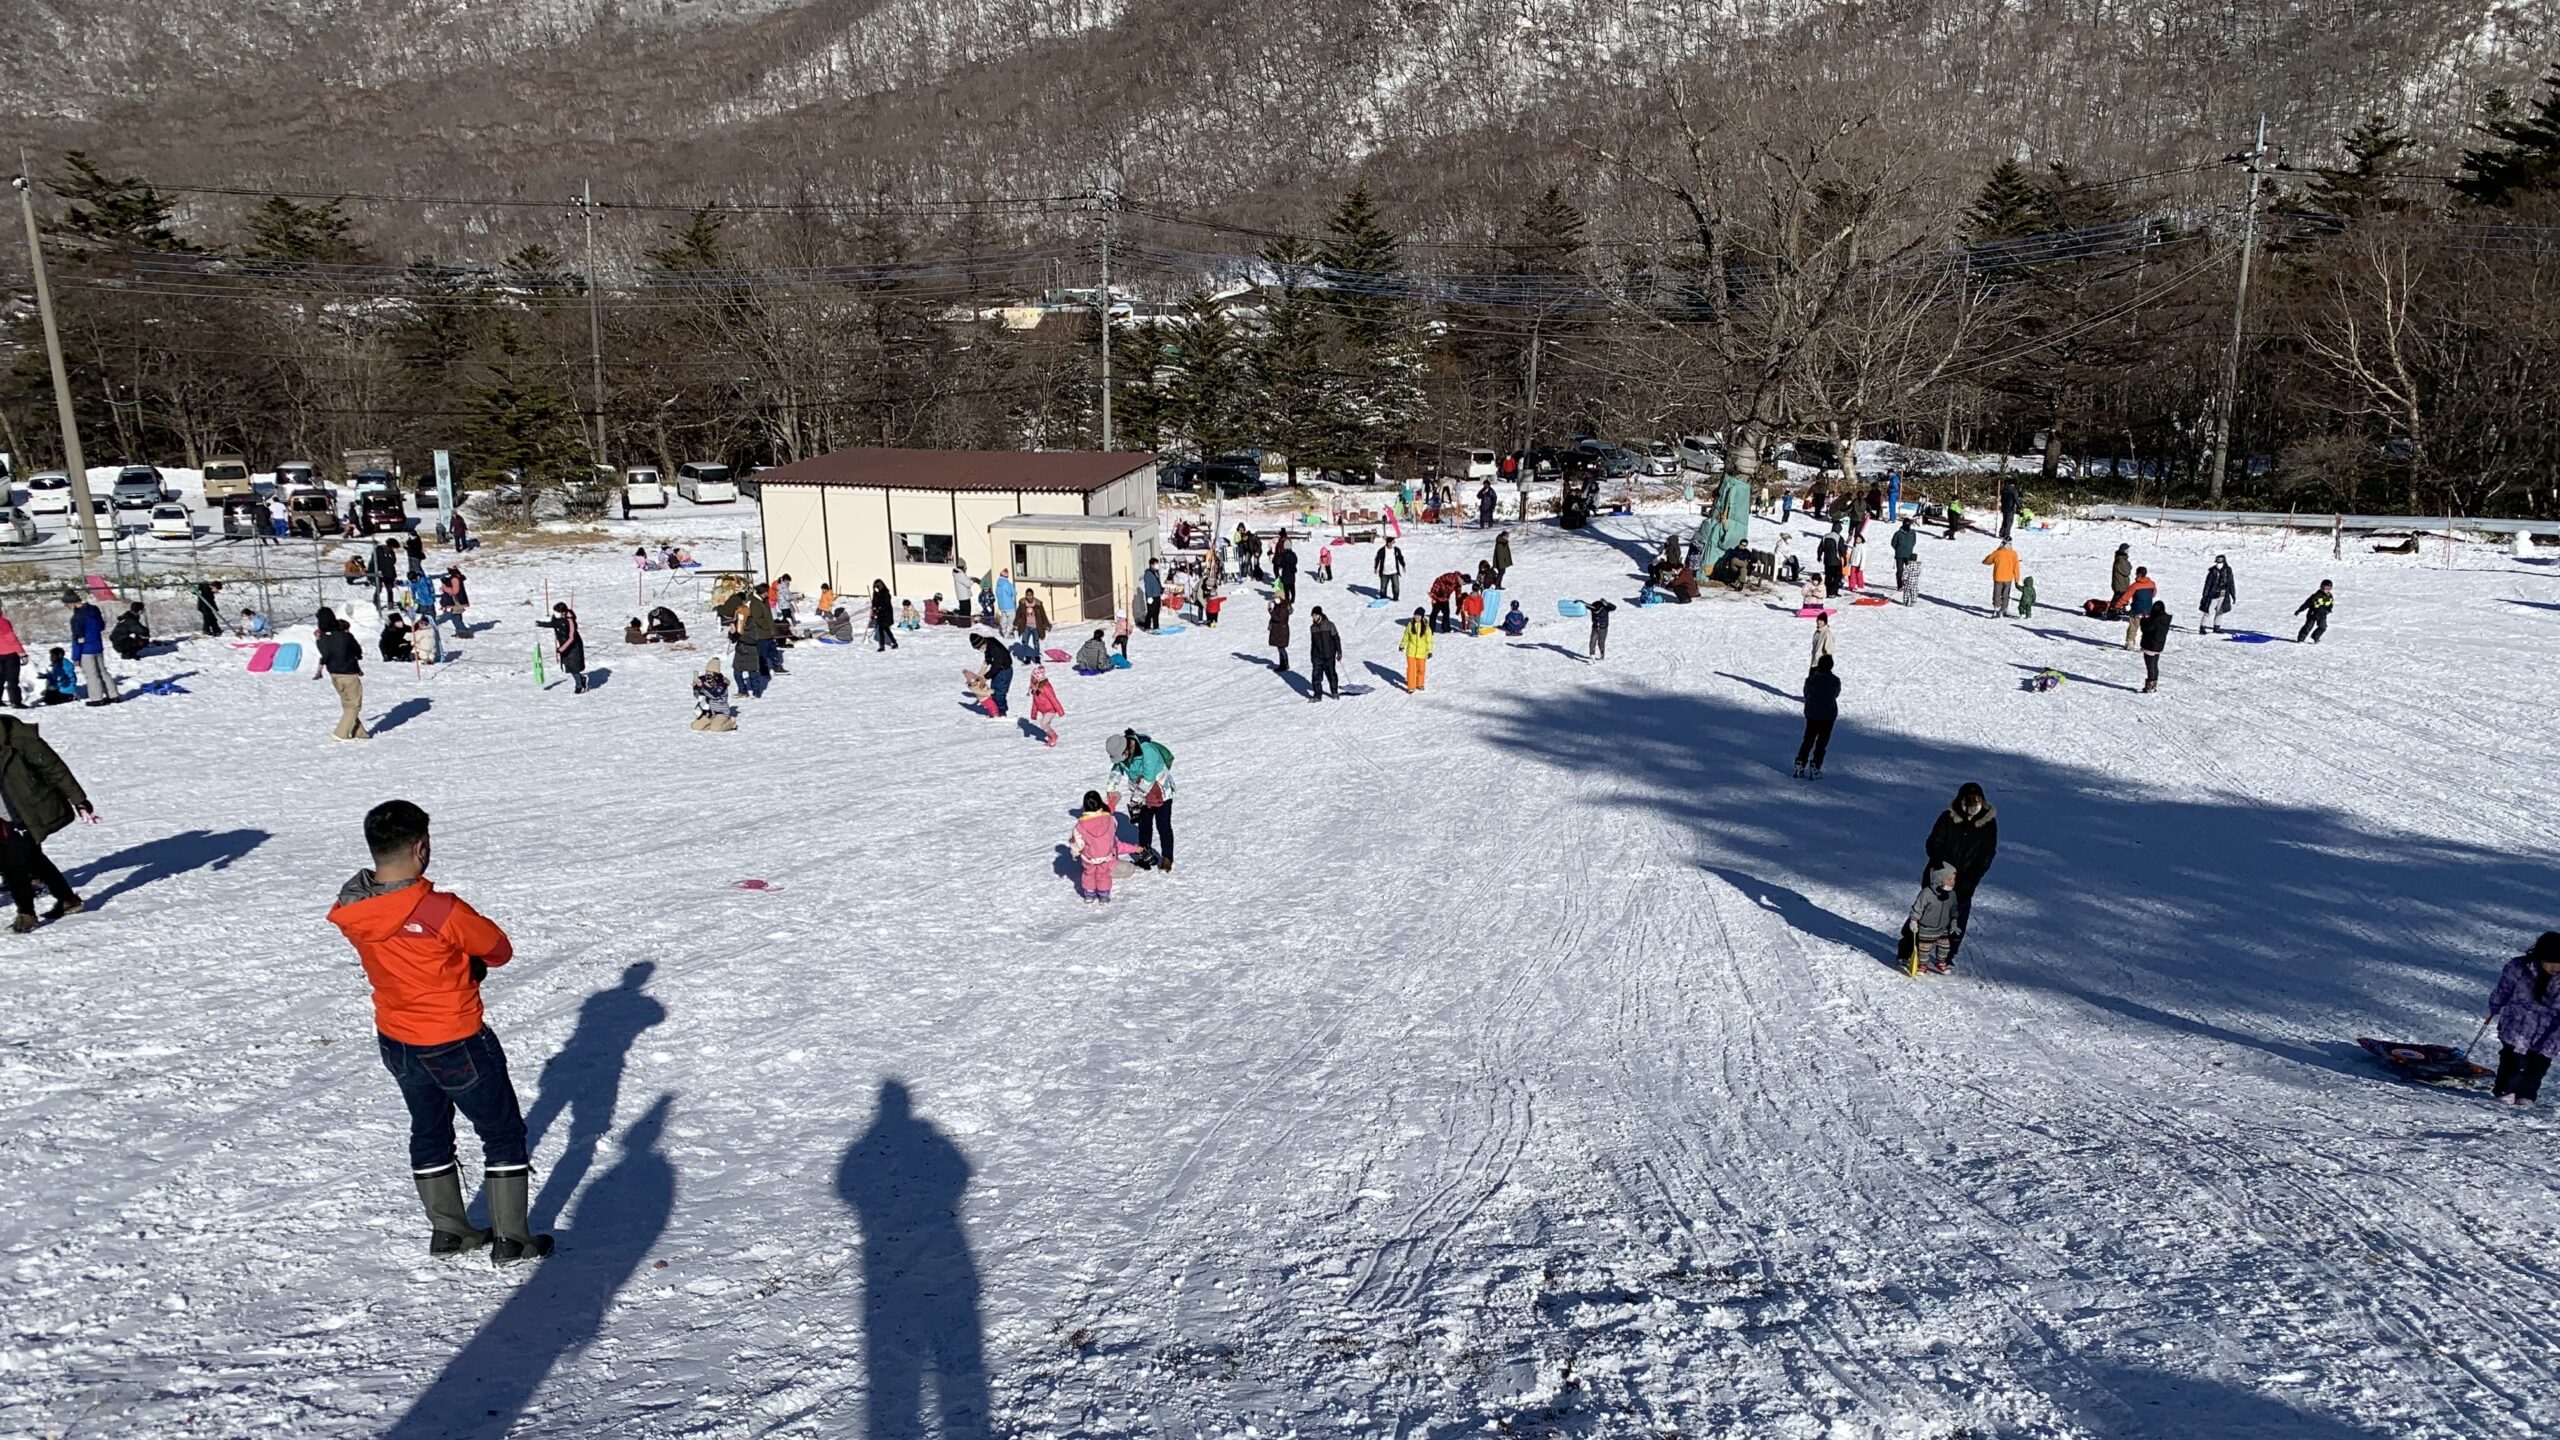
(224, 477)
(1483, 465)
(704, 483)
(643, 488)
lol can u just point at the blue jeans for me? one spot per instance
(1000, 682)
(771, 650)
(469, 1075)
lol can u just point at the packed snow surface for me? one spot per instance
(1521, 1057)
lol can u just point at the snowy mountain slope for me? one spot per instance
(1521, 1056)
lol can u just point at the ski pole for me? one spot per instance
(2465, 1051)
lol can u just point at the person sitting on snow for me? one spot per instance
(635, 633)
(394, 642)
(1093, 654)
(664, 627)
(711, 708)
(252, 625)
(840, 625)
(132, 634)
(1516, 622)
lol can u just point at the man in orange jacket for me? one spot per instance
(425, 953)
(2005, 568)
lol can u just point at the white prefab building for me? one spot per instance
(855, 516)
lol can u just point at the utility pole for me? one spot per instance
(595, 318)
(1529, 424)
(2256, 159)
(1102, 303)
(73, 465)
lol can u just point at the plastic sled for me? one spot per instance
(1380, 603)
(160, 687)
(262, 659)
(1054, 657)
(2430, 1063)
(1119, 662)
(1083, 671)
(2249, 637)
(766, 886)
(288, 657)
(1871, 600)
(1808, 612)
(1569, 609)
(831, 640)
(98, 588)
(1171, 629)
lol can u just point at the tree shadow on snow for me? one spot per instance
(2076, 639)
(561, 1306)
(904, 1180)
(1762, 686)
(1569, 654)
(166, 858)
(583, 1081)
(2531, 604)
(2230, 919)
(2121, 1402)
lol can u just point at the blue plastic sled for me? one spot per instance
(1380, 603)
(288, 657)
(2249, 637)
(1083, 671)
(1572, 609)
(1171, 629)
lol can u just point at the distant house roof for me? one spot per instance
(1074, 472)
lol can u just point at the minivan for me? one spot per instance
(225, 476)
(1483, 465)
(292, 475)
(643, 488)
(704, 483)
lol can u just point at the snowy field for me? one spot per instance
(1520, 1058)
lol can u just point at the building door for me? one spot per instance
(1093, 581)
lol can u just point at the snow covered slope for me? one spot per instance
(1522, 1057)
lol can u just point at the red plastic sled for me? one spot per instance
(1871, 600)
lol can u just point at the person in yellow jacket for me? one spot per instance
(2005, 567)
(1417, 651)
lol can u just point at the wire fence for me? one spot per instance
(285, 581)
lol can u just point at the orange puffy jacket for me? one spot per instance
(417, 944)
(2005, 565)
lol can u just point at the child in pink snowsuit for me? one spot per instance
(1096, 841)
(1046, 712)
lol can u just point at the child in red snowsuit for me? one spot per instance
(1046, 711)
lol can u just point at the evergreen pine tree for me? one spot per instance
(2526, 157)
(2375, 148)
(2011, 206)
(1367, 294)
(120, 213)
(293, 234)
(1295, 399)
(1205, 369)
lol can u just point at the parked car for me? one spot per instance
(293, 475)
(643, 488)
(378, 510)
(245, 515)
(365, 480)
(113, 519)
(1653, 457)
(1698, 452)
(226, 476)
(1483, 465)
(748, 484)
(170, 520)
(138, 488)
(312, 513)
(1232, 475)
(705, 483)
(49, 493)
(1607, 460)
(17, 527)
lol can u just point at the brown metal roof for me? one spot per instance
(1076, 472)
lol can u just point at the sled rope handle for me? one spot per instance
(2465, 1051)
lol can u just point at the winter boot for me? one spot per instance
(25, 922)
(509, 1190)
(60, 908)
(441, 1193)
(1813, 774)
(1799, 769)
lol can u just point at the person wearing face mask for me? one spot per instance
(1967, 836)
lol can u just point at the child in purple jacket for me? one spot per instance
(2526, 1006)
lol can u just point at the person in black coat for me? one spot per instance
(1835, 555)
(1324, 657)
(884, 618)
(1967, 836)
(568, 644)
(999, 667)
(132, 633)
(2155, 638)
(2009, 506)
(1821, 712)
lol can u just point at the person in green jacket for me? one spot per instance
(40, 797)
(2026, 597)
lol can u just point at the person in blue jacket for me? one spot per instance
(1516, 622)
(89, 648)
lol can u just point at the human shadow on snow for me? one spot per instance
(904, 1180)
(561, 1306)
(583, 1082)
(166, 858)
(2231, 919)
(2113, 1401)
